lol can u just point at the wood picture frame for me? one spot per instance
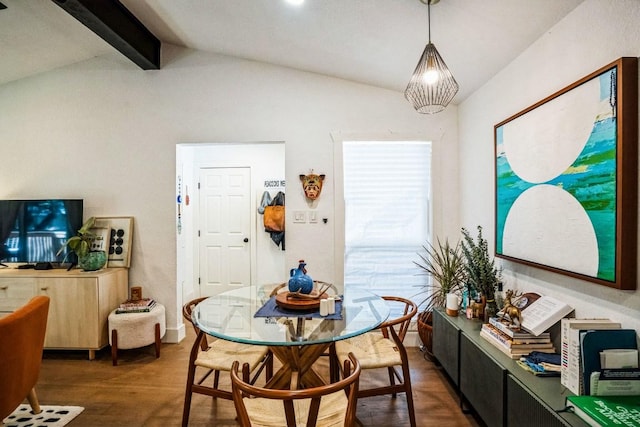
(566, 179)
(120, 239)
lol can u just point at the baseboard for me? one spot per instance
(174, 335)
(412, 339)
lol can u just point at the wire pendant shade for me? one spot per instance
(432, 85)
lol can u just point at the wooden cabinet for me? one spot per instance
(80, 302)
(500, 391)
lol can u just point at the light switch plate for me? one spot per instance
(299, 217)
(313, 217)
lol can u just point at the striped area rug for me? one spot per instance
(51, 416)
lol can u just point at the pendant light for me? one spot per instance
(432, 85)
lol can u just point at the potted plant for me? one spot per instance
(81, 245)
(446, 266)
(482, 274)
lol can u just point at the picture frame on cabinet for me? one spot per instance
(566, 179)
(120, 239)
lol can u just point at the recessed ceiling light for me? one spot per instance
(295, 2)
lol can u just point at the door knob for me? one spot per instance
(246, 239)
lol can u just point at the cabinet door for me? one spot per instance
(526, 410)
(446, 345)
(15, 292)
(482, 382)
(73, 312)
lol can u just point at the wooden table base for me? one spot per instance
(297, 366)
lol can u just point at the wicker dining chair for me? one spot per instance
(215, 356)
(332, 405)
(383, 348)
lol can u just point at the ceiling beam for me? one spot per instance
(117, 26)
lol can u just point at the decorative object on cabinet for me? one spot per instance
(86, 245)
(93, 261)
(566, 179)
(512, 311)
(312, 185)
(119, 248)
(482, 274)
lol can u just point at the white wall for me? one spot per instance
(593, 35)
(105, 131)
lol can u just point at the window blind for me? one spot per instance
(387, 207)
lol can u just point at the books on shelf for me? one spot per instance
(543, 313)
(136, 306)
(503, 326)
(515, 347)
(606, 410)
(571, 367)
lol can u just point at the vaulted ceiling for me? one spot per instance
(376, 42)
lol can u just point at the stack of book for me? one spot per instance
(515, 344)
(142, 305)
(604, 411)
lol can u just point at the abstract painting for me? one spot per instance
(566, 179)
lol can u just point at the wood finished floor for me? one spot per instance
(145, 391)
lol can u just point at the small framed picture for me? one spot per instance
(101, 240)
(120, 238)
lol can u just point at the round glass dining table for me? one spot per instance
(297, 339)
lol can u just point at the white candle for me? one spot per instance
(324, 307)
(452, 304)
(331, 302)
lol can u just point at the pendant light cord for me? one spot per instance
(429, 18)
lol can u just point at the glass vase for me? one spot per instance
(490, 310)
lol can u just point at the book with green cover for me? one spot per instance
(606, 411)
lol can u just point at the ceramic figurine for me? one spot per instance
(299, 280)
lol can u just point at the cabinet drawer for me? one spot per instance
(16, 292)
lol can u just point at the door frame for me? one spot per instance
(190, 157)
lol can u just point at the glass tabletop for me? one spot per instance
(230, 316)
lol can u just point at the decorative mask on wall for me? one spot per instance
(312, 185)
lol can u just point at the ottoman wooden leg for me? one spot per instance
(157, 340)
(114, 347)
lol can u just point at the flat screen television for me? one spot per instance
(33, 231)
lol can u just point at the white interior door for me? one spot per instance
(225, 221)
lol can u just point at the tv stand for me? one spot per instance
(80, 303)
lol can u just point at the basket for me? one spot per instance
(425, 330)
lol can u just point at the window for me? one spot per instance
(387, 214)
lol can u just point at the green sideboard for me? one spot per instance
(492, 384)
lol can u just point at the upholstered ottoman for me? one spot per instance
(134, 330)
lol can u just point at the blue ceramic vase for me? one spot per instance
(299, 280)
